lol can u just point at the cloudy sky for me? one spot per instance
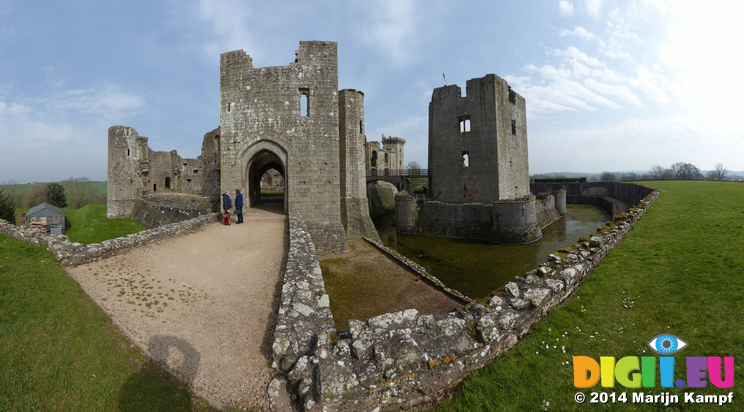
(610, 85)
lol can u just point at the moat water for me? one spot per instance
(476, 268)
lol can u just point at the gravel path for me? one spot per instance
(202, 303)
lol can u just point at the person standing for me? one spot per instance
(226, 205)
(239, 205)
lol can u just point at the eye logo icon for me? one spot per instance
(666, 344)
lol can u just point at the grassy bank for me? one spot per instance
(89, 224)
(678, 272)
(59, 351)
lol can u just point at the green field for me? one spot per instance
(89, 224)
(678, 272)
(21, 189)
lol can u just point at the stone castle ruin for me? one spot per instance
(292, 119)
(478, 169)
(387, 160)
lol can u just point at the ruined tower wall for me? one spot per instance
(354, 205)
(127, 160)
(474, 156)
(261, 111)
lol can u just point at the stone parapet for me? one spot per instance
(403, 359)
(72, 254)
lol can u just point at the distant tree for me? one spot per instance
(414, 169)
(629, 177)
(607, 177)
(685, 171)
(7, 206)
(660, 173)
(37, 194)
(80, 192)
(57, 195)
(719, 173)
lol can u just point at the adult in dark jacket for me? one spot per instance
(226, 205)
(239, 205)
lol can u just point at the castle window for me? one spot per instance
(196, 172)
(228, 107)
(154, 187)
(465, 159)
(361, 127)
(304, 102)
(127, 152)
(217, 144)
(386, 157)
(512, 96)
(183, 168)
(514, 127)
(187, 182)
(168, 183)
(373, 160)
(464, 124)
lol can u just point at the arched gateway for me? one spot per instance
(318, 146)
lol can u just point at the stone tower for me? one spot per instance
(394, 152)
(128, 169)
(286, 118)
(478, 143)
(352, 141)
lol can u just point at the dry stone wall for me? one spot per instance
(73, 253)
(403, 359)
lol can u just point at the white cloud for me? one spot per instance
(619, 91)
(404, 127)
(110, 102)
(393, 28)
(579, 32)
(574, 54)
(565, 8)
(592, 7)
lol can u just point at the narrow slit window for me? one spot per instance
(127, 152)
(304, 102)
(465, 159)
(514, 127)
(361, 127)
(512, 96)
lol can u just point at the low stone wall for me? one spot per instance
(156, 209)
(546, 210)
(630, 193)
(403, 359)
(71, 254)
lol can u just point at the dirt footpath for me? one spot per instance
(203, 303)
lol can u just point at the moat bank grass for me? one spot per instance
(59, 351)
(89, 224)
(679, 272)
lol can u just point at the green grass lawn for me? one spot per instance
(59, 351)
(678, 272)
(20, 189)
(89, 224)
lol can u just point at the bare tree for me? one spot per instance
(37, 194)
(414, 169)
(660, 173)
(80, 192)
(607, 177)
(685, 171)
(719, 173)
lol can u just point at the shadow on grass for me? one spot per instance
(152, 388)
